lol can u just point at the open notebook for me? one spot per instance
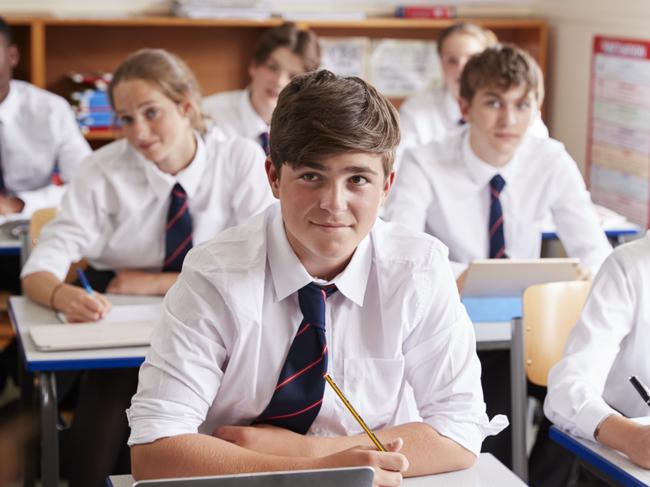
(124, 326)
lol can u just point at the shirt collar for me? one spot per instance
(190, 177)
(451, 107)
(480, 171)
(9, 105)
(252, 123)
(289, 275)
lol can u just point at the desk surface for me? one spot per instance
(613, 464)
(24, 313)
(487, 472)
(492, 331)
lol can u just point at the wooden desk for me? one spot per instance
(486, 472)
(604, 462)
(42, 365)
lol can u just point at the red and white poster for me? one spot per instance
(618, 150)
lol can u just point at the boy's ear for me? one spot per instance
(273, 176)
(13, 55)
(464, 108)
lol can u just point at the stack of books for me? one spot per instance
(90, 101)
(222, 9)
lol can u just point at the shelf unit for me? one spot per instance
(216, 50)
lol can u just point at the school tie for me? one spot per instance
(300, 387)
(178, 231)
(497, 241)
(264, 142)
(460, 122)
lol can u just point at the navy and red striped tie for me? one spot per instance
(497, 240)
(299, 391)
(178, 231)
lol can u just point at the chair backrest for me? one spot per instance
(38, 220)
(549, 312)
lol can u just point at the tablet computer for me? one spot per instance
(510, 277)
(331, 477)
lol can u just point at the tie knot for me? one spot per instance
(312, 299)
(264, 142)
(497, 183)
(178, 191)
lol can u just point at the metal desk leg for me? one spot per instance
(26, 384)
(519, 400)
(49, 432)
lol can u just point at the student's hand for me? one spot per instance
(264, 438)
(583, 274)
(10, 204)
(141, 283)
(79, 306)
(388, 466)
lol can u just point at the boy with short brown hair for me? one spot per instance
(282, 53)
(234, 379)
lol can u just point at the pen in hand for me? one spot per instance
(84, 280)
(361, 422)
(641, 389)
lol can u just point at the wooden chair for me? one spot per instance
(549, 312)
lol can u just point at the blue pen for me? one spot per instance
(84, 280)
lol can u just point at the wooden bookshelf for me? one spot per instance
(218, 51)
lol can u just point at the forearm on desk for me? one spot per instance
(198, 455)
(427, 451)
(39, 287)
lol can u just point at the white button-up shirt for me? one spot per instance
(443, 189)
(115, 211)
(434, 114)
(231, 317)
(607, 346)
(233, 112)
(38, 131)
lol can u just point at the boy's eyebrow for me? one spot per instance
(349, 169)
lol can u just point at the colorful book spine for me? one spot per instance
(423, 12)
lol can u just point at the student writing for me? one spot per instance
(313, 284)
(135, 210)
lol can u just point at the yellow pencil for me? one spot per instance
(363, 424)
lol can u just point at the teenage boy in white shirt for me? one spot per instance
(486, 190)
(588, 390)
(211, 391)
(38, 133)
(280, 54)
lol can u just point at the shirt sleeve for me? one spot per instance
(411, 195)
(575, 384)
(442, 365)
(250, 188)
(184, 367)
(71, 150)
(575, 217)
(68, 237)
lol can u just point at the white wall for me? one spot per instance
(572, 26)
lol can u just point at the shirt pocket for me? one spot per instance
(523, 237)
(373, 387)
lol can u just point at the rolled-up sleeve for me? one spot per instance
(443, 368)
(183, 370)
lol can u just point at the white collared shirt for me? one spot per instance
(433, 114)
(38, 131)
(231, 317)
(115, 211)
(607, 346)
(233, 112)
(443, 189)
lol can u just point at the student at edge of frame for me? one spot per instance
(315, 284)
(280, 54)
(589, 393)
(133, 213)
(485, 190)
